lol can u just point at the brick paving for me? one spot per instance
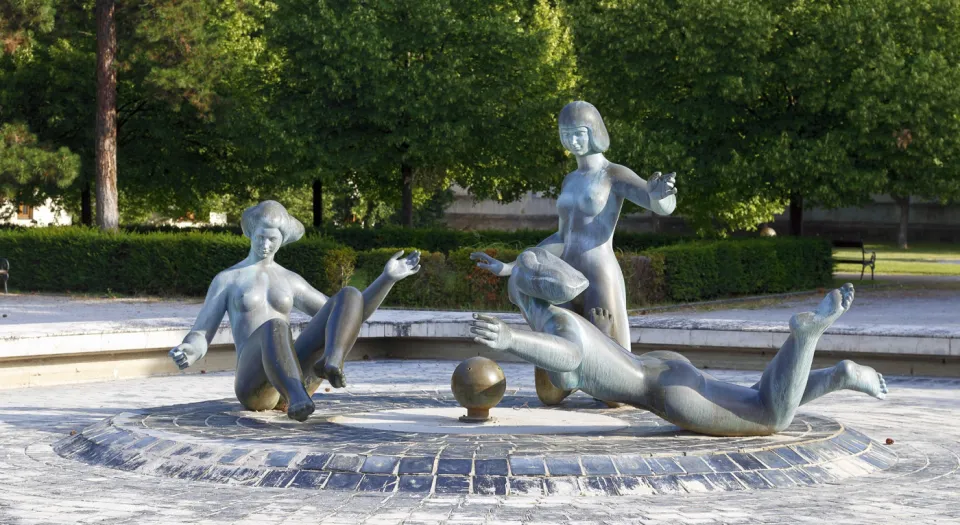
(38, 486)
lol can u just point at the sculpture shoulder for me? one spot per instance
(620, 173)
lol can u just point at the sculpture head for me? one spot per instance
(582, 130)
(542, 275)
(269, 226)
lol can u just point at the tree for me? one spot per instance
(405, 96)
(191, 119)
(905, 104)
(30, 172)
(748, 100)
(105, 148)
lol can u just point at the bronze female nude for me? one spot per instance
(257, 294)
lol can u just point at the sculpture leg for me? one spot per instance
(698, 403)
(340, 334)
(784, 381)
(845, 375)
(605, 306)
(268, 368)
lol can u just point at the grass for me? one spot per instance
(921, 259)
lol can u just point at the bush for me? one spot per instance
(85, 260)
(442, 240)
(707, 270)
(74, 259)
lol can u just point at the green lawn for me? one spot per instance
(921, 258)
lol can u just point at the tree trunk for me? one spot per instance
(317, 203)
(108, 214)
(904, 203)
(406, 195)
(796, 214)
(368, 217)
(86, 206)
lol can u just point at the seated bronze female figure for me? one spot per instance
(579, 355)
(257, 295)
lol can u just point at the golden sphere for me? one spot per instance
(478, 384)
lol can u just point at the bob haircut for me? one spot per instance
(579, 113)
(545, 276)
(271, 214)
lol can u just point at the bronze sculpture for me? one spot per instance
(257, 294)
(589, 209)
(578, 355)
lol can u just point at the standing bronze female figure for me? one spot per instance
(589, 207)
(257, 295)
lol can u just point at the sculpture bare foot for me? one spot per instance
(603, 320)
(300, 410)
(861, 378)
(829, 310)
(331, 372)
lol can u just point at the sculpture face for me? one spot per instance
(266, 242)
(576, 140)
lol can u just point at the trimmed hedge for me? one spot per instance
(707, 270)
(85, 260)
(443, 240)
(73, 259)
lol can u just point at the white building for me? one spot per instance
(23, 215)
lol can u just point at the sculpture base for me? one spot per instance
(476, 415)
(345, 446)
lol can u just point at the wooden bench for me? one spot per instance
(863, 261)
(4, 273)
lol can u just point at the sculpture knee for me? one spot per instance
(350, 295)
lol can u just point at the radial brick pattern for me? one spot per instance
(216, 441)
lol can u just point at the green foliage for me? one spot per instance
(753, 102)
(31, 172)
(452, 90)
(707, 270)
(85, 260)
(446, 240)
(436, 239)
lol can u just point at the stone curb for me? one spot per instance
(64, 339)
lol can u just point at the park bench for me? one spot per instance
(4, 273)
(863, 261)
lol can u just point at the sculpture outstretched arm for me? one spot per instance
(553, 244)
(196, 342)
(395, 270)
(659, 194)
(544, 350)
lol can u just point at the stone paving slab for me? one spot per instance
(37, 486)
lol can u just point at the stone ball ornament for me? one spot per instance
(478, 384)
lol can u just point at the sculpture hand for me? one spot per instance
(397, 268)
(492, 332)
(485, 262)
(662, 186)
(185, 354)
